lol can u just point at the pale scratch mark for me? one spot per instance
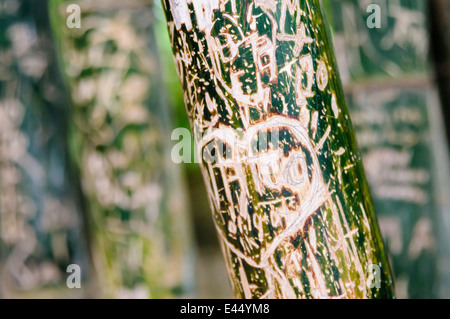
(322, 140)
(340, 151)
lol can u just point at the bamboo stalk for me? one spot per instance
(440, 40)
(287, 189)
(41, 222)
(121, 132)
(400, 133)
(440, 34)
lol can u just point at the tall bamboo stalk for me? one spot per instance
(287, 189)
(41, 224)
(440, 40)
(440, 35)
(120, 136)
(396, 113)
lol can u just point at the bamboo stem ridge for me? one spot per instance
(289, 197)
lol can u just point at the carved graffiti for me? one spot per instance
(256, 77)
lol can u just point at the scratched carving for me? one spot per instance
(135, 195)
(391, 117)
(40, 224)
(400, 46)
(266, 110)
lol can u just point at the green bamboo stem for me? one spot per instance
(396, 114)
(41, 224)
(120, 136)
(440, 39)
(294, 215)
(440, 36)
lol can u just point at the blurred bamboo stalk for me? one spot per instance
(397, 116)
(41, 225)
(440, 40)
(440, 32)
(294, 215)
(120, 139)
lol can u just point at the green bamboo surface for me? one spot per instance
(41, 225)
(284, 176)
(440, 33)
(397, 116)
(120, 137)
(440, 40)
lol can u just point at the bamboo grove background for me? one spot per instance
(86, 175)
